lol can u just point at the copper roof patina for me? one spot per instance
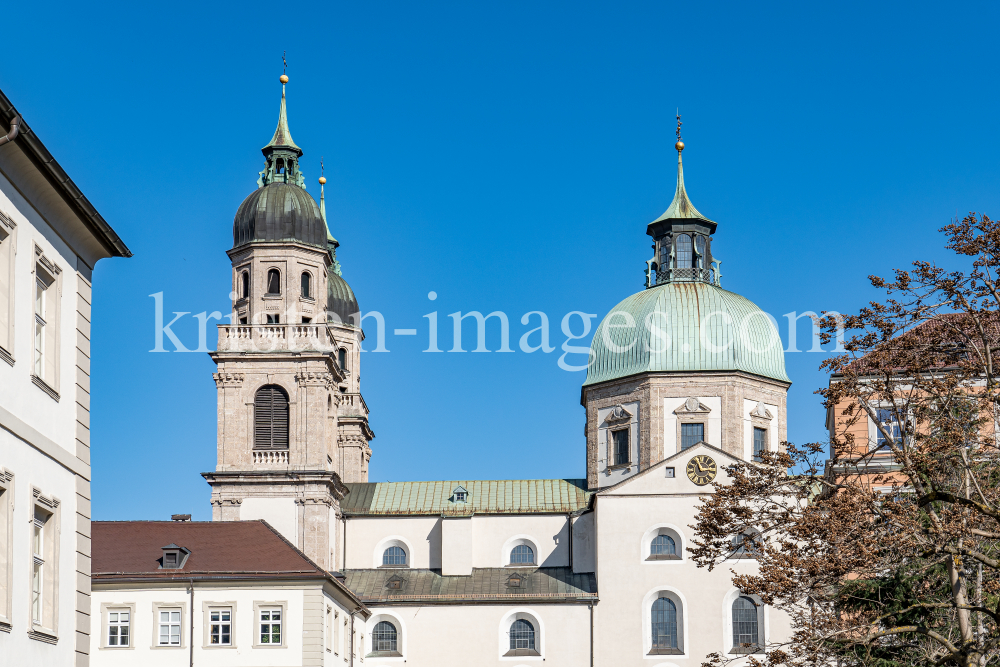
(514, 496)
(485, 584)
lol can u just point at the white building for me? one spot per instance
(685, 378)
(235, 594)
(51, 238)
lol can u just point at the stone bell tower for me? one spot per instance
(292, 425)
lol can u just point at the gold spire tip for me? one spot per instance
(322, 180)
(283, 78)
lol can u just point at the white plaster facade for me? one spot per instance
(50, 241)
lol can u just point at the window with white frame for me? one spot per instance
(889, 422)
(522, 554)
(169, 627)
(746, 625)
(220, 626)
(336, 632)
(119, 623)
(46, 325)
(40, 289)
(759, 442)
(43, 558)
(6, 283)
(38, 569)
(270, 625)
(6, 546)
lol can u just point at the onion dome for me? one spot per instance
(688, 327)
(341, 302)
(279, 212)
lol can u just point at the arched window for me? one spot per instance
(664, 619)
(270, 418)
(273, 281)
(384, 639)
(342, 359)
(522, 554)
(665, 252)
(245, 284)
(699, 247)
(522, 636)
(684, 252)
(306, 285)
(662, 545)
(745, 625)
(394, 556)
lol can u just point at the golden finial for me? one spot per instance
(680, 144)
(322, 178)
(283, 78)
(284, 66)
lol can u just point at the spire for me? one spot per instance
(281, 153)
(681, 207)
(332, 243)
(282, 135)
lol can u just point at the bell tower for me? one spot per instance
(292, 425)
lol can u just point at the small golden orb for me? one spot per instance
(679, 146)
(284, 78)
(322, 180)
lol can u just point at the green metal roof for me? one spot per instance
(681, 207)
(484, 584)
(282, 135)
(689, 327)
(512, 496)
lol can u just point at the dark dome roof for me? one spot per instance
(340, 300)
(279, 212)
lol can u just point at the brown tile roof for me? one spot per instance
(231, 549)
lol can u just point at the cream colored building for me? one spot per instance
(51, 238)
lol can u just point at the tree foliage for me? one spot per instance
(888, 552)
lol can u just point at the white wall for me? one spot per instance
(281, 513)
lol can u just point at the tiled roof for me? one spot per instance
(513, 496)
(131, 549)
(485, 584)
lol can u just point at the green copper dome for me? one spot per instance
(685, 327)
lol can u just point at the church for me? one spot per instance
(685, 377)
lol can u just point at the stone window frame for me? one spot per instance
(8, 252)
(165, 606)
(52, 542)
(116, 606)
(48, 381)
(761, 417)
(207, 607)
(612, 424)
(6, 547)
(257, 606)
(618, 428)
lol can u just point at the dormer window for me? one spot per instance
(460, 495)
(174, 557)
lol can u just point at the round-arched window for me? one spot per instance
(394, 556)
(306, 285)
(663, 617)
(745, 625)
(699, 246)
(522, 554)
(384, 638)
(684, 252)
(245, 284)
(273, 281)
(522, 635)
(342, 359)
(662, 545)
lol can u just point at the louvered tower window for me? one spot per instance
(270, 418)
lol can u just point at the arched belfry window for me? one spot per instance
(273, 281)
(684, 252)
(699, 247)
(342, 359)
(306, 285)
(663, 617)
(270, 418)
(245, 284)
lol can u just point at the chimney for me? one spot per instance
(180, 517)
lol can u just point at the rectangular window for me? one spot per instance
(46, 324)
(38, 565)
(759, 442)
(170, 627)
(220, 627)
(621, 445)
(6, 280)
(270, 626)
(39, 327)
(118, 628)
(691, 435)
(890, 424)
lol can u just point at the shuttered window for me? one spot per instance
(270, 418)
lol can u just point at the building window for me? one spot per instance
(245, 284)
(691, 435)
(522, 554)
(6, 280)
(699, 248)
(38, 569)
(306, 285)
(759, 442)
(890, 424)
(270, 626)
(664, 254)
(745, 626)
(522, 637)
(662, 548)
(384, 640)
(745, 544)
(220, 627)
(170, 627)
(342, 359)
(40, 289)
(273, 282)
(620, 440)
(684, 252)
(394, 556)
(46, 326)
(270, 418)
(663, 617)
(118, 628)
(273, 319)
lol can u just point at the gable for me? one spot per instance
(654, 480)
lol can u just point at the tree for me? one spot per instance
(888, 553)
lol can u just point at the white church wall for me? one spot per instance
(281, 513)
(478, 634)
(366, 534)
(495, 536)
(584, 543)
(457, 545)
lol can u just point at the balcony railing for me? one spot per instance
(353, 404)
(275, 337)
(270, 457)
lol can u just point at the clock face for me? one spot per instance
(701, 469)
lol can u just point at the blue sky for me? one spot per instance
(508, 157)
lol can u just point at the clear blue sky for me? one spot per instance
(507, 156)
